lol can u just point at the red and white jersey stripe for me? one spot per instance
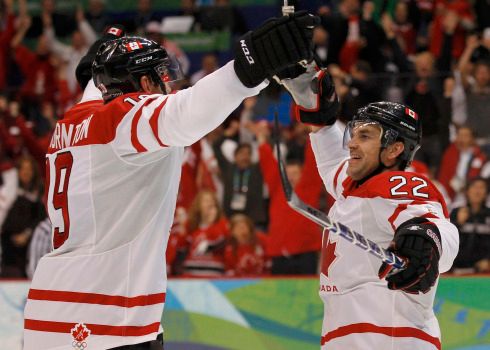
(113, 172)
(360, 312)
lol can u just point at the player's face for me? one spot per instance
(364, 148)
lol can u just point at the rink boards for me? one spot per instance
(271, 313)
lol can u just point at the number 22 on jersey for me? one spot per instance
(403, 185)
(59, 196)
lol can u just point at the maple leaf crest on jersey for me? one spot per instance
(328, 255)
(80, 333)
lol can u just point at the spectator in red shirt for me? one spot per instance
(245, 252)
(37, 69)
(207, 232)
(294, 241)
(462, 161)
(444, 9)
(18, 134)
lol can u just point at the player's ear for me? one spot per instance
(393, 151)
(147, 84)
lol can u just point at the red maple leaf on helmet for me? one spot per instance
(328, 254)
(80, 332)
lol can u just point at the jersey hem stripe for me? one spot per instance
(94, 298)
(397, 332)
(95, 329)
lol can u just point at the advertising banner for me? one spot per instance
(270, 313)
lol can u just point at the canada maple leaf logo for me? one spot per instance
(328, 254)
(80, 332)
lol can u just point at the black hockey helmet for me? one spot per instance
(120, 63)
(398, 123)
(83, 71)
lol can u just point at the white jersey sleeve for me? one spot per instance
(180, 119)
(331, 158)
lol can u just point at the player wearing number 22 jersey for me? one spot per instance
(113, 172)
(369, 305)
(360, 312)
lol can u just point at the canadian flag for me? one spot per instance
(133, 45)
(114, 31)
(411, 113)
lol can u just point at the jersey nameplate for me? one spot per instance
(66, 135)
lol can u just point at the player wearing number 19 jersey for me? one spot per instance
(113, 171)
(113, 174)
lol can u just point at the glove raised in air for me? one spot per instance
(315, 100)
(276, 44)
(419, 241)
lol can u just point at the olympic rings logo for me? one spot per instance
(79, 345)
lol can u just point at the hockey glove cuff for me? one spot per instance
(419, 241)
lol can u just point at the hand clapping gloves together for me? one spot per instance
(419, 241)
(278, 43)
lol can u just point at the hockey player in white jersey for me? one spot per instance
(365, 307)
(113, 170)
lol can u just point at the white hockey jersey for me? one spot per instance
(113, 173)
(360, 312)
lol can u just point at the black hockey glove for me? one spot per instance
(84, 68)
(316, 102)
(419, 241)
(276, 44)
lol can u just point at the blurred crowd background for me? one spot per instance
(232, 218)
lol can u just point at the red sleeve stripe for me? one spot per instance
(396, 332)
(336, 177)
(394, 216)
(430, 216)
(154, 122)
(402, 207)
(134, 127)
(95, 329)
(94, 298)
